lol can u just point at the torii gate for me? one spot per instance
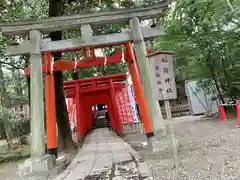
(92, 91)
(35, 46)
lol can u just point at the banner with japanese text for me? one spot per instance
(124, 106)
(71, 107)
(133, 104)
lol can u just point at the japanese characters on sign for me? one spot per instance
(133, 104)
(124, 106)
(163, 76)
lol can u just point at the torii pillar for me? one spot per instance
(38, 157)
(36, 101)
(145, 73)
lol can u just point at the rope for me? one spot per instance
(128, 78)
(229, 105)
(105, 61)
(123, 57)
(75, 64)
(52, 65)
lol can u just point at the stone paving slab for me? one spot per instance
(105, 155)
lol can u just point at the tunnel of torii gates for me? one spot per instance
(91, 91)
(88, 92)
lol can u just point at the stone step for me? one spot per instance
(100, 123)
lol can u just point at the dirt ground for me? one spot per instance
(8, 171)
(208, 150)
(10, 160)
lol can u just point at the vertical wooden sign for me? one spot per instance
(163, 75)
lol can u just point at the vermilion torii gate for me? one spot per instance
(89, 92)
(36, 46)
(108, 98)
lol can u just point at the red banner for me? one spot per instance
(71, 107)
(124, 106)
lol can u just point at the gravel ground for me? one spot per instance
(208, 151)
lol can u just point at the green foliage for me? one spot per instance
(13, 83)
(205, 37)
(105, 29)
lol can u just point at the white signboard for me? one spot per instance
(163, 76)
(133, 104)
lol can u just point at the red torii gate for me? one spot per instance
(49, 67)
(91, 91)
(61, 65)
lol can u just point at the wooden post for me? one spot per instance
(111, 116)
(111, 109)
(118, 123)
(145, 73)
(51, 123)
(86, 116)
(139, 92)
(37, 106)
(172, 136)
(82, 123)
(95, 112)
(80, 130)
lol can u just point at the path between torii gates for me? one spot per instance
(105, 155)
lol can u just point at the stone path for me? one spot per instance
(105, 155)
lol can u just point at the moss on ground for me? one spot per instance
(17, 152)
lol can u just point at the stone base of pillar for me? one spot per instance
(75, 137)
(37, 167)
(160, 132)
(163, 147)
(80, 139)
(53, 151)
(163, 143)
(159, 144)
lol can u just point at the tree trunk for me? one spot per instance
(28, 86)
(17, 83)
(228, 80)
(4, 105)
(65, 137)
(214, 75)
(26, 57)
(215, 79)
(74, 74)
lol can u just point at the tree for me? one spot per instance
(5, 126)
(205, 37)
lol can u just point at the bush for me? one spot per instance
(20, 128)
